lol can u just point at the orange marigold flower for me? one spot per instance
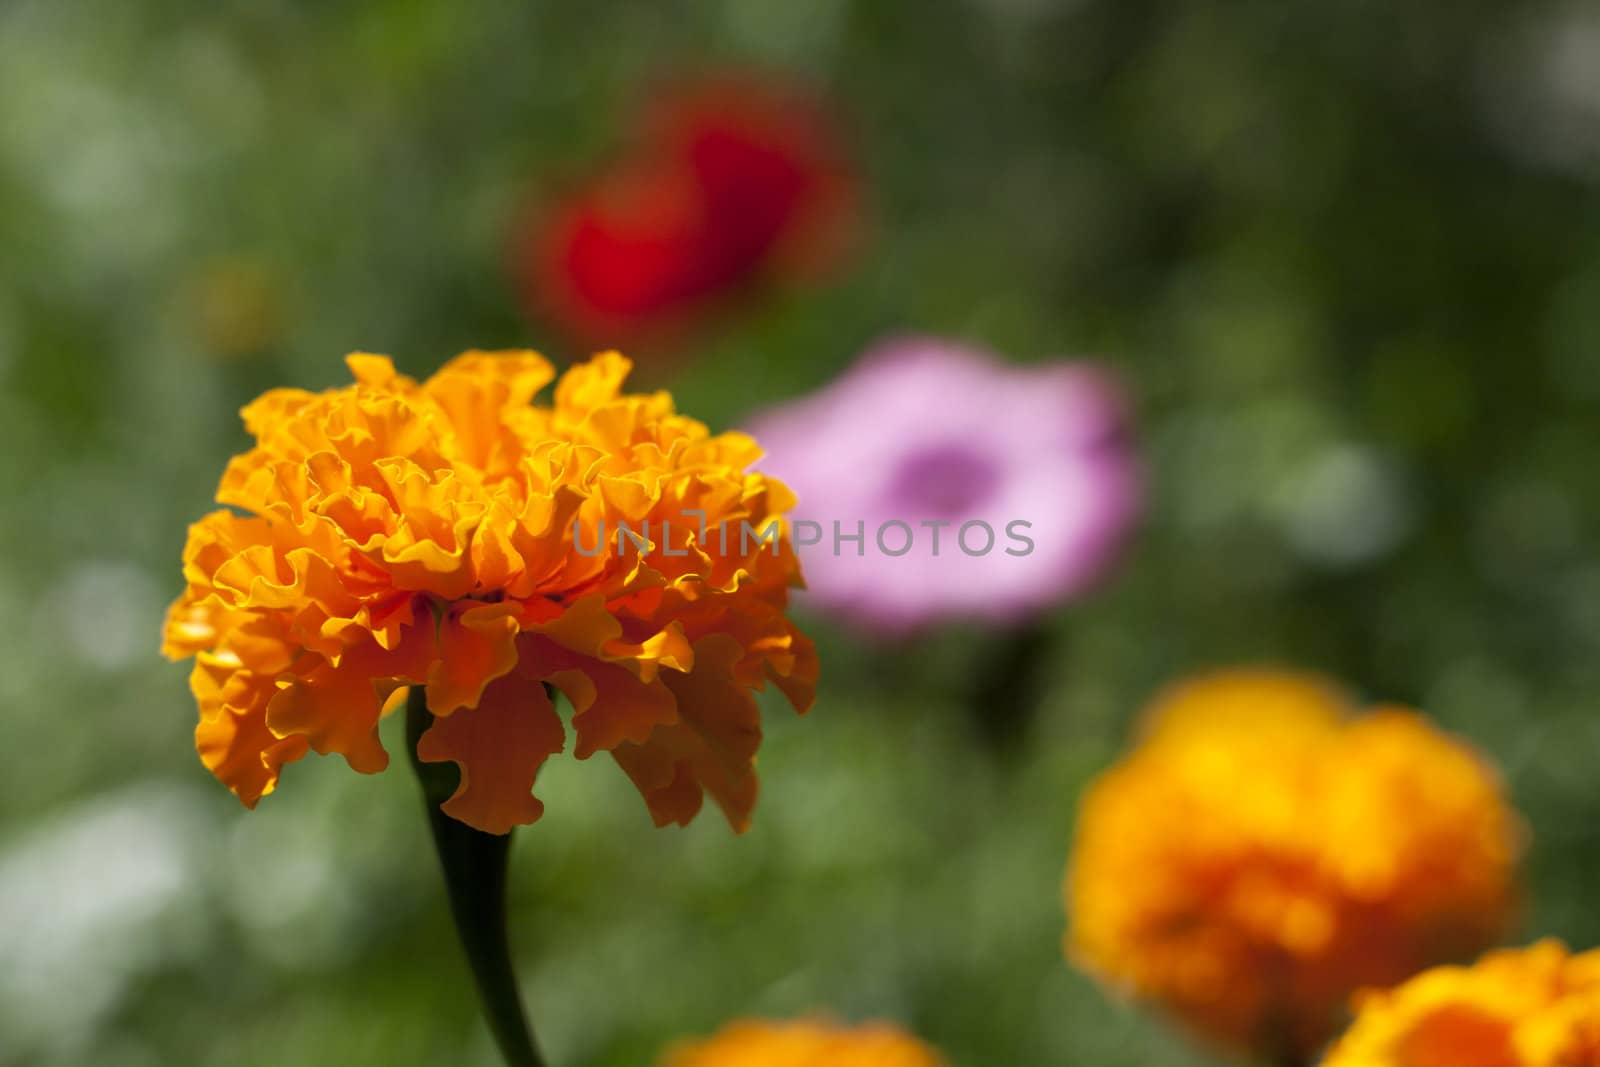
(811, 1043)
(396, 533)
(1261, 855)
(1532, 1007)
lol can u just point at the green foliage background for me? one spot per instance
(1347, 254)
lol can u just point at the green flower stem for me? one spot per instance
(1009, 685)
(475, 877)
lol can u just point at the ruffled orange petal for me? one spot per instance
(611, 706)
(477, 644)
(795, 672)
(804, 1043)
(712, 746)
(232, 736)
(334, 711)
(374, 370)
(237, 747)
(499, 745)
(667, 782)
(588, 385)
(336, 707)
(588, 626)
(477, 390)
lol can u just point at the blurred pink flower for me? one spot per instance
(982, 490)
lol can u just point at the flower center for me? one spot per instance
(943, 480)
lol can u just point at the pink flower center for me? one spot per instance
(943, 481)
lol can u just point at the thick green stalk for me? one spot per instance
(475, 877)
(1009, 686)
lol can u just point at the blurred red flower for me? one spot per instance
(733, 181)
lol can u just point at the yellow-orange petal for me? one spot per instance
(336, 707)
(499, 745)
(667, 782)
(477, 644)
(589, 626)
(190, 629)
(334, 710)
(710, 748)
(1531, 1007)
(588, 385)
(478, 391)
(799, 682)
(611, 706)
(373, 370)
(804, 1043)
(232, 736)
(273, 408)
(237, 747)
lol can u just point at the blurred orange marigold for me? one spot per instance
(812, 1043)
(1260, 856)
(398, 533)
(1533, 1007)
